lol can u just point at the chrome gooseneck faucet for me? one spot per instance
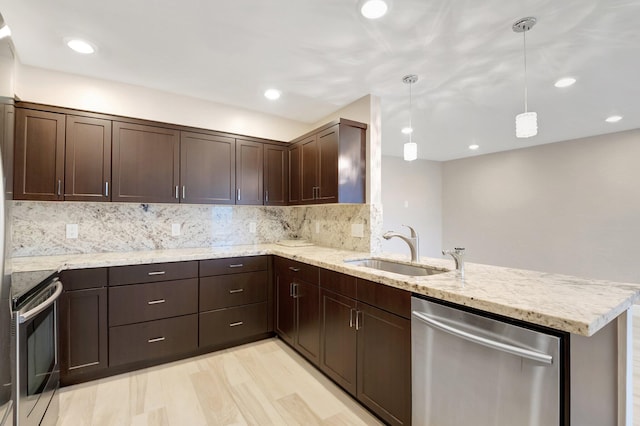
(412, 241)
(457, 254)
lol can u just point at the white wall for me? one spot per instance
(571, 207)
(74, 91)
(419, 184)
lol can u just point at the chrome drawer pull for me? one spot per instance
(157, 339)
(157, 273)
(237, 265)
(235, 324)
(238, 290)
(291, 268)
(155, 302)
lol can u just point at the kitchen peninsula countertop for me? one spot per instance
(562, 302)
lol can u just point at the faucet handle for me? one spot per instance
(414, 234)
(459, 250)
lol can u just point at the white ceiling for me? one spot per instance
(323, 55)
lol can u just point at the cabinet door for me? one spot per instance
(276, 175)
(39, 155)
(249, 166)
(307, 298)
(338, 339)
(7, 132)
(208, 169)
(145, 163)
(87, 159)
(309, 170)
(83, 332)
(285, 307)
(295, 178)
(328, 165)
(384, 339)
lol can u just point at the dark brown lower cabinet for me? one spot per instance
(384, 364)
(338, 343)
(307, 298)
(83, 332)
(153, 339)
(285, 307)
(232, 324)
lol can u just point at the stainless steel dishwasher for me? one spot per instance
(473, 370)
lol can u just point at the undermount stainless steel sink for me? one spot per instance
(396, 268)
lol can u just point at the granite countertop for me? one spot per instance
(562, 302)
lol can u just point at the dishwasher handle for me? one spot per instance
(503, 347)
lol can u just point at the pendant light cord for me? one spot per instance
(410, 112)
(524, 39)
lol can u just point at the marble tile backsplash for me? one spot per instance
(39, 228)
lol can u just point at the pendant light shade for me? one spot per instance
(527, 122)
(410, 151)
(410, 148)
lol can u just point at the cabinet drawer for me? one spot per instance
(232, 265)
(80, 279)
(338, 283)
(390, 299)
(119, 275)
(224, 291)
(144, 302)
(297, 271)
(228, 325)
(153, 339)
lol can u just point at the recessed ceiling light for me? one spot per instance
(374, 9)
(613, 119)
(565, 82)
(407, 130)
(272, 94)
(80, 46)
(5, 31)
(474, 146)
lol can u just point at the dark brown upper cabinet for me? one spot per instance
(7, 132)
(295, 178)
(331, 166)
(249, 172)
(276, 175)
(145, 163)
(207, 169)
(39, 155)
(87, 159)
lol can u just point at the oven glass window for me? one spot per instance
(40, 351)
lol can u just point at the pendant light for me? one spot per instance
(527, 122)
(410, 148)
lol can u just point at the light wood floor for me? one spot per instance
(262, 383)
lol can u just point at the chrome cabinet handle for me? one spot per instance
(235, 324)
(156, 302)
(291, 268)
(295, 291)
(291, 289)
(236, 265)
(184, 191)
(106, 189)
(157, 339)
(238, 190)
(59, 187)
(156, 273)
(266, 196)
(503, 347)
(238, 290)
(42, 306)
(177, 192)
(358, 323)
(351, 311)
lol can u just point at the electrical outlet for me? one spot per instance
(317, 227)
(357, 230)
(72, 230)
(252, 227)
(175, 229)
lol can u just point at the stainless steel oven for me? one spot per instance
(37, 374)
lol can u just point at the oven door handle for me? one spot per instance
(41, 307)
